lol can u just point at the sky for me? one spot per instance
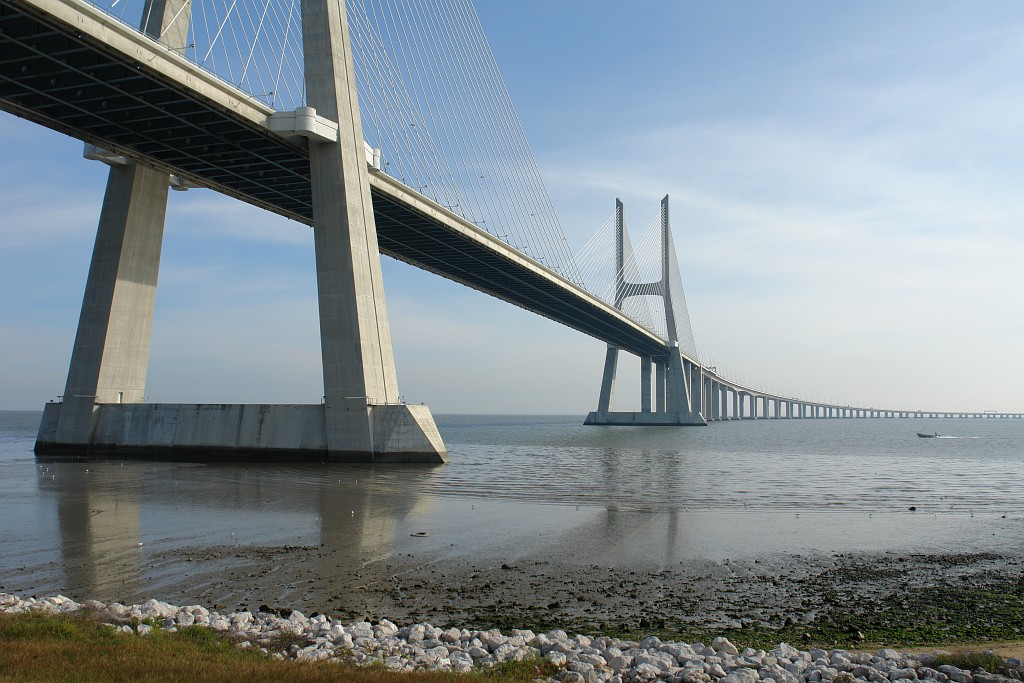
(846, 184)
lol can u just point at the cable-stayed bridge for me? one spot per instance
(386, 127)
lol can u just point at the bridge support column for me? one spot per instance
(110, 356)
(364, 418)
(659, 387)
(361, 417)
(111, 352)
(645, 384)
(611, 362)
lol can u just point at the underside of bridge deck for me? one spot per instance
(77, 84)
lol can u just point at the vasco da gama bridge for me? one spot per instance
(385, 127)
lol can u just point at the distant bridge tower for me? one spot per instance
(675, 375)
(361, 417)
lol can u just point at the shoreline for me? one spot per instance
(840, 600)
(832, 600)
(287, 634)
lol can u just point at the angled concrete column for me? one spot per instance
(611, 362)
(111, 352)
(362, 414)
(167, 21)
(611, 359)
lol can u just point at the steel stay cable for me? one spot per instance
(481, 162)
(428, 98)
(472, 97)
(425, 174)
(482, 193)
(494, 116)
(514, 123)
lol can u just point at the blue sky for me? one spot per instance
(846, 183)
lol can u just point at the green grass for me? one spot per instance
(60, 648)
(972, 661)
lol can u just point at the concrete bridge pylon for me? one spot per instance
(361, 417)
(678, 399)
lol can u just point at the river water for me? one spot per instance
(540, 490)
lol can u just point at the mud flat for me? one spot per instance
(840, 600)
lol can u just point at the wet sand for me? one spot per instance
(793, 591)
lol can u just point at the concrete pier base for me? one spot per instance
(624, 419)
(361, 418)
(232, 432)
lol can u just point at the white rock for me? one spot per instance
(838, 661)
(661, 660)
(741, 676)
(414, 634)
(955, 674)
(690, 675)
(785, 651)
(220, 624)
(155, 608)
(556, 658)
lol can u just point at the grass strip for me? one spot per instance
(67, 648)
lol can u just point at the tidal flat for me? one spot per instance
(799, 531)
(848, 600)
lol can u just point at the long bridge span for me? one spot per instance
(160, 119)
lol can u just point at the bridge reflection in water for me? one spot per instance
(224, 534)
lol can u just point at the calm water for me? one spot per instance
(522, 487)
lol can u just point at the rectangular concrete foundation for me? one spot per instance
(232, 432)
(622, 419)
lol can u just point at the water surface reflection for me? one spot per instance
(128, 528)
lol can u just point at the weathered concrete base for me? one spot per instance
(620, 419)
(219, 432)
(402, 433)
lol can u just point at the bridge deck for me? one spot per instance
(68, 66)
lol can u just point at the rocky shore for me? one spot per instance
(578, 658)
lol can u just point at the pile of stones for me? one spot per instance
(290, 634)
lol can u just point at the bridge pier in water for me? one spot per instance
(361, 418)
(680, 390)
